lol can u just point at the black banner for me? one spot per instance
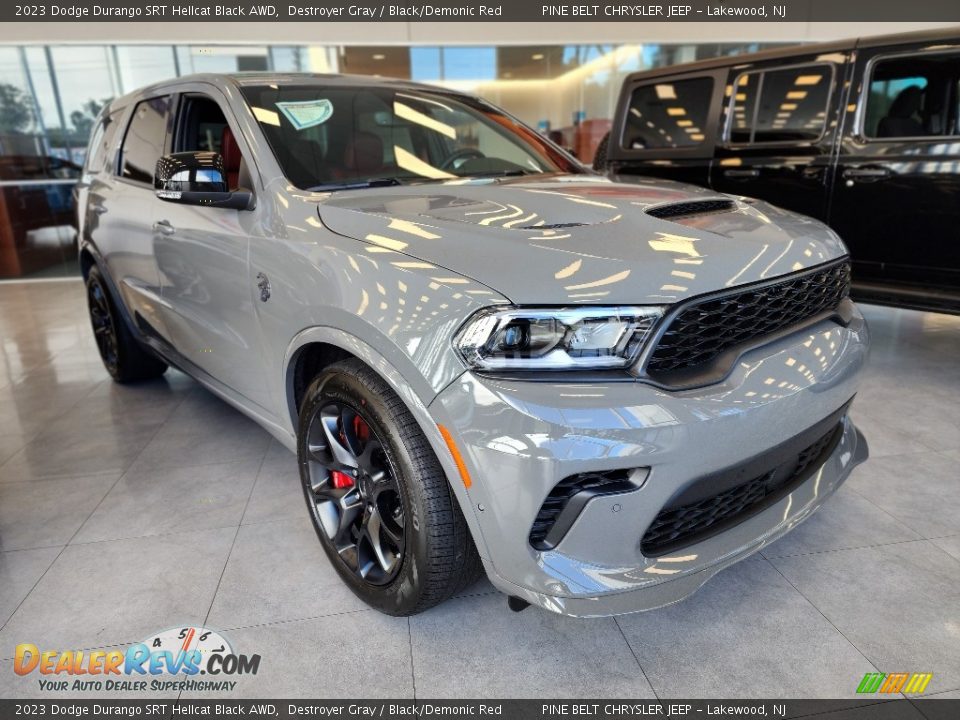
(868, 707)
(480, 11)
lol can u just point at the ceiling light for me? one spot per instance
(379, 56)
(808, 79)
(537, 56)
(741, 97)
(676, 111)
(684, 123)
(666, 92)
(796, 95)
(788, 106)
(697, 137)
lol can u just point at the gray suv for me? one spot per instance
(486, 358)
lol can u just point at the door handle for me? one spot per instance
(164, 227)
(871, 173)
(742, 173)
(98, 209)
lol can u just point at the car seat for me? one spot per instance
(900, 120)
(232, 158)
(363, 155)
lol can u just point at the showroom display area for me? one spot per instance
(141, 508)
(463, 359)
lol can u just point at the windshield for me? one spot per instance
(328, 137)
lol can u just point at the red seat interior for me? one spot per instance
(230, 152)
(363, 156)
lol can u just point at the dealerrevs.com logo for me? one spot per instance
(171, 660)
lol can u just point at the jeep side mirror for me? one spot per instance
(198, 178)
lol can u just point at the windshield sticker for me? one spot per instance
(307, 113)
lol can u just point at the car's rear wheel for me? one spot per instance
(123, 356)
(378, 497)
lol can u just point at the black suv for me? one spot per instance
(863, 134)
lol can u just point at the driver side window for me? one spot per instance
(203, 127)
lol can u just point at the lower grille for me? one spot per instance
(679, 527)
(569, 496)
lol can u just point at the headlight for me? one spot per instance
(587, 338)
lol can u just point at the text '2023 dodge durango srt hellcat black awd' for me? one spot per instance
(486, 358)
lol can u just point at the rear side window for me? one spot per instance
(101, 143)
(913, 97)
(668, 115)
(780, 106)
(143, 143)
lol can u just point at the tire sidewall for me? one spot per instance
(401, 595)
(95, 277)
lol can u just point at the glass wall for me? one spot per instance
(50, 96)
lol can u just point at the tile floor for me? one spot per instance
(127, 510)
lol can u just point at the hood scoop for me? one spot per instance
(678, 211)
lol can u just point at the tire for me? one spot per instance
(425, 552)
(122, 354)
(600, 156)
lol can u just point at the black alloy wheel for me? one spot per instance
(122, 354)
(104, 327)
(381, 505)
(356, 498)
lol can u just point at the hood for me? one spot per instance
(583, 239)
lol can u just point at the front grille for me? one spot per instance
(702, 331)
(676, 528)
(687, 209)
(592, 484)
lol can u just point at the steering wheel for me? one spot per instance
(463, 154)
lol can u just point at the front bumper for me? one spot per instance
(519, 439)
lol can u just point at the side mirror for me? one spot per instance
(198, 178)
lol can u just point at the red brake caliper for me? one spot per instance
(339, 479)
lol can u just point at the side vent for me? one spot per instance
(568, 498)
(689, 209)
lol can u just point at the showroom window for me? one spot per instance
(915, 96)
(668, 115)
(143, 144)
(50, 96)
(781, 106)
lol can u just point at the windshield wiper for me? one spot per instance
(372, 182)
(502, 173)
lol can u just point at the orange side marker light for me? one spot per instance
(457, 457)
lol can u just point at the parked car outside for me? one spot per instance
(861, 134)
(485, 357)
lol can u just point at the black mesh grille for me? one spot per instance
(561, 494)
(694, 207)
(679, 527)
(702, 331)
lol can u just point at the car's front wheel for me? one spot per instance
(378, 497)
